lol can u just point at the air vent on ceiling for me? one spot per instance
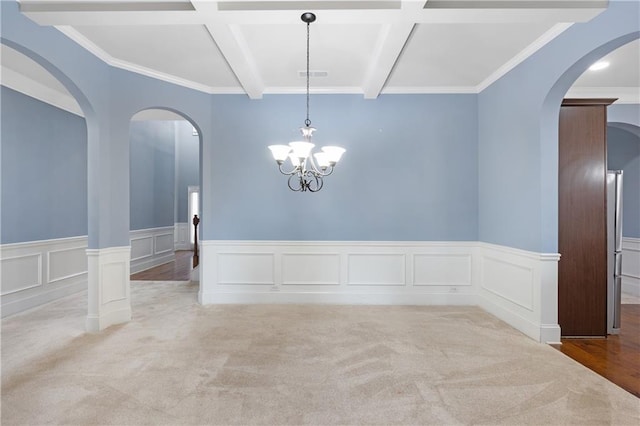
(303, 74)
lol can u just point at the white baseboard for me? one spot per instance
(182, 239)
(151, 247)
(631, 266)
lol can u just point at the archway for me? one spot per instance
(44, 181)
(164, 170)
(586, 283)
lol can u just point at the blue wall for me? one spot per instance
(624, 113)
(409, 173)
(623, 153)
(421, 167)
(187, 167)
(44, 170)
(152, 174)
(518, 131)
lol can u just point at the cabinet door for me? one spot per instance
(582, 234)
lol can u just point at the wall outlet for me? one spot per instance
(275, 288)
(453, 290)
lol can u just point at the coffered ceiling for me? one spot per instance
(365, 47)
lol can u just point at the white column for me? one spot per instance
(109, 287)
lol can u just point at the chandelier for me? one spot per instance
(307, 174)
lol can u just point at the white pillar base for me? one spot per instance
(109, 287)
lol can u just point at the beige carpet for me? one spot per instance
(181, 363)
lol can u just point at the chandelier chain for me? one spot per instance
(307, 122)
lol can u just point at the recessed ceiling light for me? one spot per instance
(599, 66)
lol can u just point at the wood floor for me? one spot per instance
(179, 270)
(617, 357)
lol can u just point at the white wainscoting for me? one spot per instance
(521, 288)
(631, 266)
(37, 272)
(181, 239)
(518, 286)
(336, 272)
(151, 247)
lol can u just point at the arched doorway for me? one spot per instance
(584, 302)
(164, 172)
(44, 182)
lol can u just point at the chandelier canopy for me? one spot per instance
(307, 174)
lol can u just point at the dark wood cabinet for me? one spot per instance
(582, 221)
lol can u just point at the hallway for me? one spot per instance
(178, 270)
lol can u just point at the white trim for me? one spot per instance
(428, 90)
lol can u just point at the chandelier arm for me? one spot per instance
(292, 172)
(319, 183)
(323, 174)
(301, 185)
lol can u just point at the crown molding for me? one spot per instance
(428, 90)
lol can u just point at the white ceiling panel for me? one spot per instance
(184, 51)
(342, 51)
(459, 55)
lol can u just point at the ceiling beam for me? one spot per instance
(77, 13)
(235, 50)
(388, 48)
